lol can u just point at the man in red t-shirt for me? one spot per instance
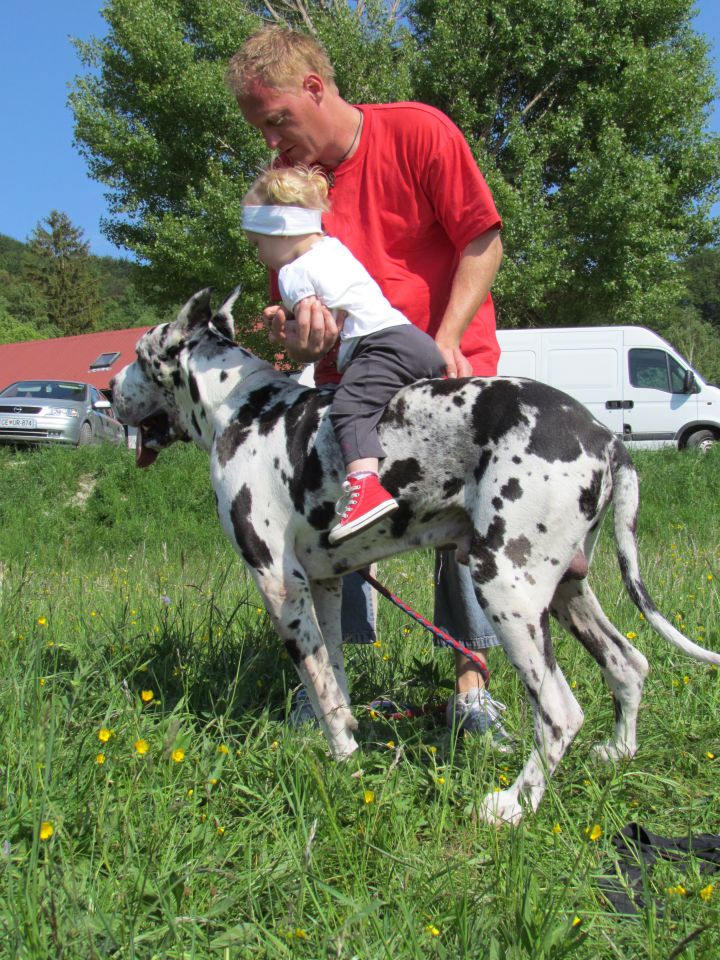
(409, 201)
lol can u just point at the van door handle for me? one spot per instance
(619, 404)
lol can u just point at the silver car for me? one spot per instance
(57, 411)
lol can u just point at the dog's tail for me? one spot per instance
(626, 499)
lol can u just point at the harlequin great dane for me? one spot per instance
(514, 474)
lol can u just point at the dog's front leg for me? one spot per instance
(327, 597)
(289, 602)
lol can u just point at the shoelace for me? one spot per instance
(348, 500)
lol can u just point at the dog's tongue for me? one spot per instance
(144, 456)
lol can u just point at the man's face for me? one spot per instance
(291, 121)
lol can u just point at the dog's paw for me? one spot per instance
(611, 752)
(502, 808)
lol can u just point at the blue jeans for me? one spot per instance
(456, 608)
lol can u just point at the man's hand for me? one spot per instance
(456, 363)
(308, 335)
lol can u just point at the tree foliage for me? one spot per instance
(63, 272)
(28, 305)
(588, 118)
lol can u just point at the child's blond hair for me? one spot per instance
(298, 186)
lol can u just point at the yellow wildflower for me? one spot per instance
(595, 833)
(390, 744)
(146, 696)
(432, 930)
(557, 828)
(707, 892)
(100, 758)
(42, 621)
(223, 749)
(178, 755)
(46, 830)
(142, 746)
(369, 796)
(104, 734)
(631, 635)
(679, 889)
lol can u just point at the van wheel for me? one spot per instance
(85, 435)
(701, 440)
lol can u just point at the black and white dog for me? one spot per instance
(516, 475)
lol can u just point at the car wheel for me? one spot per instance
(701, 440)
(85, 435)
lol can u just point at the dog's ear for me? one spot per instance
(195, 312)
(223, 319)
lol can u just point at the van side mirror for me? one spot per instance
(689, 384)
(102, 405)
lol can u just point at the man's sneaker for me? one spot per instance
(477, 712)
(302, 712)
(364, 502)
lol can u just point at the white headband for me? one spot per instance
(282, 221)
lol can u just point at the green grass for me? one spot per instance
(252, 843)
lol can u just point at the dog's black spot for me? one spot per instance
(590, 496)
(194, 389)
(482, 466)
(452, 486)
(459, 401)
(594, 645)
(496, 412)
(223, 376)
(400, 475)
(518, 550)
(512, 489)
(321, 516)
(446, 387)
(195, 424)
(293, 648)
(541, 528)
(230, 441)
(253, 548)
(177, 378)
(400, 519)
(498, 503)
(483, 550)
(294, 624)
(394, 415)
(563, 427)
(302, 419)
(548, 652)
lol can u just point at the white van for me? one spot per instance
(628, 377)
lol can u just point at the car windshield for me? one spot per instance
(45, 390)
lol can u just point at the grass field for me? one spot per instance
(155, 804)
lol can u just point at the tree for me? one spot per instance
(587, 118)
(63, 271)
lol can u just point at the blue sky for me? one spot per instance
(39, 167)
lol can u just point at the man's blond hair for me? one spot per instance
(278, 57)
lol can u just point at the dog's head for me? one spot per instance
(148, 393)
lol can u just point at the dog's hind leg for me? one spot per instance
(577, 608)
(289, 603)
(525, 637)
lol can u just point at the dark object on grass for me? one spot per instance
(638, 850)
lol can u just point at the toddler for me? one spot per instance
(380, 350)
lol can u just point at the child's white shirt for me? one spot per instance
(329, 271)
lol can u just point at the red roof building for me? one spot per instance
(91, 357)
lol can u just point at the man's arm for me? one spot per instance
(478, 265)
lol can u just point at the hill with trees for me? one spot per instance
(53, 287)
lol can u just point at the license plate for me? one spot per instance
(20, 423)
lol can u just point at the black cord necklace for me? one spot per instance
(354, 139)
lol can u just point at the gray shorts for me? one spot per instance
(381, 364)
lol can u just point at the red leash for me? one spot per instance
(445, 639)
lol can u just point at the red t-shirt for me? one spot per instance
(407, 203)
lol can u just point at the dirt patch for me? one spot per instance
(86, 485)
